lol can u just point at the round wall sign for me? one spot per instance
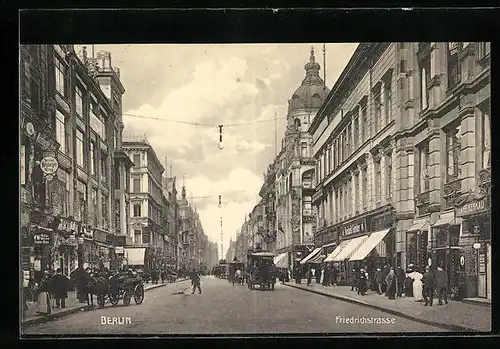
(429, 262)
(49, 165)
(49, 177)
(30, 129)
(462, 260)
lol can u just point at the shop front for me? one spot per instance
(102, 249)
(66, 244)
(446, 248)
(475, 258)
(417, 237)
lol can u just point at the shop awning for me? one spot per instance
(281, 260)
(335, 252)
(445, 219)
(350, 248)
(369, 244)
(311, 255)
(135, 256)
(317, 259)
(329, 245)
(419, 225)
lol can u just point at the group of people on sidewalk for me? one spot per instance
(395, 282)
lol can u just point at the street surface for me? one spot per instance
(224, 309)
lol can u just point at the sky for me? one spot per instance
(211, 85)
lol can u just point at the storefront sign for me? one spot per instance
(45, 141)
(67, 225)
(49, 165)
(473, 207)
(119, 250)
(42, 239)
(355, 228)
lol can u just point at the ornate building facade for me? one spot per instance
(268, 198)
(70, 157)
(295, 167)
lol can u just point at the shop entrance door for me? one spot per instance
(482, 272)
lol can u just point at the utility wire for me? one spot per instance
(199, 124)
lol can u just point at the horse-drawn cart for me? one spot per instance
(261, 270)
(125, 287)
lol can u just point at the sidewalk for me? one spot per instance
(72, 306)
(455, 316)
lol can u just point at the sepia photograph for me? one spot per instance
(249, 189)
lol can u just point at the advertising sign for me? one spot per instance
(49, 165)
(42, 239)
(119, 250)
(473, 207)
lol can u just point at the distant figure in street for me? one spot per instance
(60, 288)
(392, 284)
(195, 281)
(362, 280)
(309, 276)
(442, 285)
(429, 281)
(354, 279)
(43, 295)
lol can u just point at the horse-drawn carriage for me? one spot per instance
(120, 286)
(261, 270)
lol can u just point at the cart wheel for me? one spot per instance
(114, 298)
(138, 294)
(126, 298)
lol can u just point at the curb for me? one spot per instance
(70, 311)
(450, 327)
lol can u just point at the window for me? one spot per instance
(453, 154)
(35, 95)
(424, 168)
(348, 140)
(486, 137)
(341, 203)
(66, 194)
(388, 100)
(104, 212)
(60, 75)
(328, 160)
(356, 192)
(82, 200)
(117, 177)
(425, 67)
(94, 205)
(453, 65)
(378, 181)
(388, 176)
(349, 197)
(137, 160)
(303, 149)
(96, 123)
(136, 183)
(483, 49)
(355, 131)
(137, 209)
(79, 101)
(61, 131)
(346, 202)
(79, 148)
(104, 166)
(137, 236)
(364, 124)
(93, 158)
(378, 111)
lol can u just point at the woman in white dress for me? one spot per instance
(417, 285)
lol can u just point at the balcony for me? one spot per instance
(451, 192)
(422, 199)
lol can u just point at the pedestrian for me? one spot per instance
(195, 281)
(324, 276)
(400, 278)
(60, 288)
(392, 284)
(429, 281)
(442, 285)
(318, 275)
(334, 274)
(379, 280)
(362, 279)
(43, 295)
(409, 281)
(354, 279)
(309, 276)
(386, 271)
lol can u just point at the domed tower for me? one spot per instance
(308, 97)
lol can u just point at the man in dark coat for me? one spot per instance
(379, 280)
(442, 285)
(195, 281)
(400, 276)
(60, 287)
(77, 276)
(354, 279)
(334, 274)
(429, 281)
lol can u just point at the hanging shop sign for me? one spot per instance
(30, 129)
(86, 232)
(119, 250)
(45, 141)
(356, 227)
(472, 208)
(49, 165)
(67, 225)
(42, 239)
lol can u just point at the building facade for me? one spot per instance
(295, 167)
(402, 145)
(171, 217)
(268, 198)
(65, 105)
(147, 222)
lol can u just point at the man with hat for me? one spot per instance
(429, 281)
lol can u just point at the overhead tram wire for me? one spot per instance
(200, 124)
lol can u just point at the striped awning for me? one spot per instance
(281, 260)
(313, 254)
(317, 259)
